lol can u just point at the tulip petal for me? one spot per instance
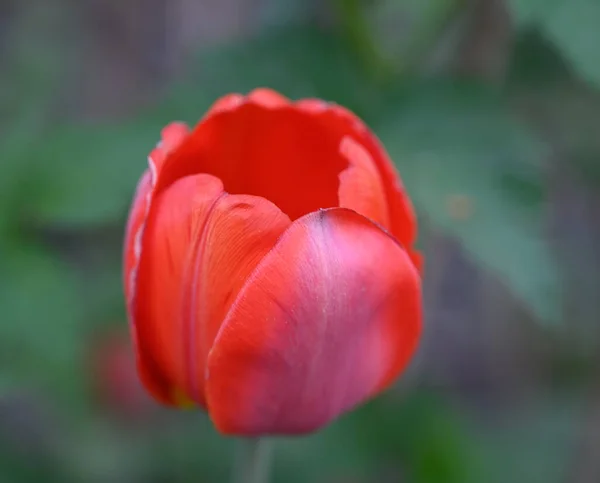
(265, 148)
(135, 222)
(328, 318)
(176, 216)
(268, 98)
(225, 103)
(198, 248)
(340, 122)
(263, 96)
(361, 188)
(240, 231)
(171, 137)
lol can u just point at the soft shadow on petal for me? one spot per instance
(329, 317)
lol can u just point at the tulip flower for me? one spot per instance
(270, 271)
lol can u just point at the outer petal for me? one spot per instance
(268, 97)
(328, 318)
(133, 232)
(199, 245)
(263, 96)
(177, 216)
(171, 137)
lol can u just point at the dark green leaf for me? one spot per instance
(572, 25)
(87, 175)
(41, 326)
(476, 173)
(538, 441)
(564, 108)
(298, 61)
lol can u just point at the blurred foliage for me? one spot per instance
(572, 26)
(475, 156)
(476, 172)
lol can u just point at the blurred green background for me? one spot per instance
(490, 110)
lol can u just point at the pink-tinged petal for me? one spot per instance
(330, 316)
(177, 216)
(361, 188)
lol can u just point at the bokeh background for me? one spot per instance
(490, 110)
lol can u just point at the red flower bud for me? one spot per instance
(269, 266)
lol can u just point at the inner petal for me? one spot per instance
(281, 154)
(361, 188)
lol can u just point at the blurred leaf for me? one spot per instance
(276, 13)
(424, 432)
(103, 452)
(32, 70)
(422, 40)
(564, 108)
(87, 174)
(572, 25)
(419, 436)
(298, 61)
(538, 442)
(536, 62)
(40, 328)
(476, 173)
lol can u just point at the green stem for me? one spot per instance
(252, 461)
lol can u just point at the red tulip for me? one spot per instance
(269, 266)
